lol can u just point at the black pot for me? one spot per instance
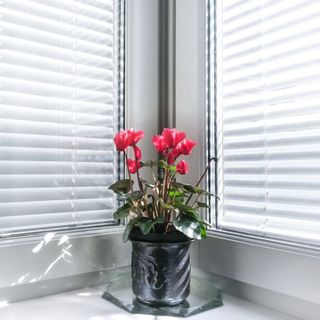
(160, 268)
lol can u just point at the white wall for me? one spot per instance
(142, 71)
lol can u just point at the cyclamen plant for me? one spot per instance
(164, 204)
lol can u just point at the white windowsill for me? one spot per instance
(87, 304)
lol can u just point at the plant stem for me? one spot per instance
(206, 170)
(196, 199)
(138, 176)
(129, 174)
(153, 175)
(203, 175)
(164, 184)
(164, 197)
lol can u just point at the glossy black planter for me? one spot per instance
(160, 268)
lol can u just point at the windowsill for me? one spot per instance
(87, 304)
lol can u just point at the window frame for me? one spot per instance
(239, 261)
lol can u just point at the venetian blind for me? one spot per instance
(60, 96)
(268, 117)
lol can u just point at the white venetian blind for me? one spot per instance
(268, 116)
(59, 85)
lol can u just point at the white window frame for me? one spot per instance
(281, 275)
(39, 264)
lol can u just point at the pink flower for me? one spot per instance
(134, 136)
(137, 153)
(173, 143)
(172, 137)
(169, 139)
(185, 146)
(124, 139)
(158, 142)
(172, 156)
(133, 166)
(182, 167)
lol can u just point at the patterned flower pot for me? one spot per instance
(160, 268)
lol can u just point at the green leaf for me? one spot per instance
(122, 186)
(163, 164)
(166, 205)
(205, 193)
(172, 168)
(186, 209)
(189, 188)
(122, 197)
(203, 232)
(202, 204)
(136, 195)
(145, 225)
(122, 212)
(177, 185)
(146, 183)
(128, 229)
(176, 194)
(190, 227)
(149, 163)
(205, 223)
(159, 219)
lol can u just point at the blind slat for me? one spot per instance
(46, 194)
(56, 27)
(55, 65)
(55, 40)
(67, 117)
(60, 101)
(55, 167)
(63, 10)
(51, 154)
(53, 129)
(268, 117)
(55, 103)
(53, 180)
(15, 224)
(45, 141)
(54, 78)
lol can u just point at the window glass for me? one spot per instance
(264, 95)
(61, 96)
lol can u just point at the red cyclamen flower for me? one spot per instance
(134, 136)
(173, 155)
(172, 137)
(169, 139)
(133, 166)
(158, 142)
(124, 139)
(185, 146)
(137, 153)
(182, 167)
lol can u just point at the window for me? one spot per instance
(265, 77)
(61, 73)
